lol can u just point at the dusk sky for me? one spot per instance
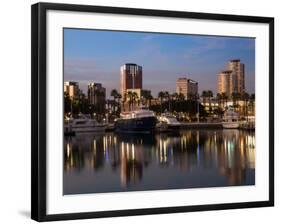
(96, 56)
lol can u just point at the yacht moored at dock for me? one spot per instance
(168, 122)
(142, 120)
(230, 119)
(83, 124)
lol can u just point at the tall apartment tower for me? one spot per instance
(186, 87)
(225, 82)
(130, 78)
(232, 80)
(238, 70)
(96, 93)
(72, 88)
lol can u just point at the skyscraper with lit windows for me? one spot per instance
(232, 80)
(130, 78)
(238, 73)
(187, 87)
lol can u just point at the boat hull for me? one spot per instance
(230, 125)
(136, 125)
(174, 127)
(83, 128)
(168, 128)
(89, 129)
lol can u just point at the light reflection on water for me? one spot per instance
(194, 158)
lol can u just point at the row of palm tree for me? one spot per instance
(167, 97)
(223, 98)
(117, 97)
(80, 104)
(169, 102)
(146, 98)
(133, 99)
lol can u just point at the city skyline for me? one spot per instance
(92, 56)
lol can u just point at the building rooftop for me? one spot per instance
(70, 83)
(226, 71)
(235, 60)
(186, 79)
(130, 64)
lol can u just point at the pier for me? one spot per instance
(209, 125)
(215, 125)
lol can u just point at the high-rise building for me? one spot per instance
(187, 87)
(71, 88)
(232, 80)
(238, 70)
(225, 83)
(130, 78)
(96, 93)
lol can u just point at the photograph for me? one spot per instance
(146, 111)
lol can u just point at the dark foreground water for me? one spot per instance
(195, 158)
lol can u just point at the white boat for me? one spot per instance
(230, 119)
(169, 122)
(83, 124)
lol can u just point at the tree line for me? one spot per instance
(166, 102)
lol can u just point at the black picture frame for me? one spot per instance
(38, 110)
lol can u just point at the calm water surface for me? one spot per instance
(95, 163)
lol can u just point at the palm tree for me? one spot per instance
(207, 94)
(134, 98)
(108, 104)
(161, 95)
(219, 99)
(181, 97)
(83, 104)
(245, 97)
(129, 95)
(235, 97)
(114, 93)
(190, 96)
(224, 98)
(67, 103)
(147, 97)
(252, 101)
(175, 99)
(119, 97)
(181, 105)
(167, 97)
(204, 96)
(175, 96)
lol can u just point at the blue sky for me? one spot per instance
(95, 55)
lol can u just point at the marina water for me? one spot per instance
(110, 162)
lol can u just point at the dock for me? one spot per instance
(184, 125)
(206, 125)
(110, 127)
(215, 125)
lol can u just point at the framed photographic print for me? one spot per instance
(139, 111)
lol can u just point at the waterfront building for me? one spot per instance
(232, 80)
(225, 82)
(213, 104)
(96, 94)
(187, 87)
(130, 78)
(71, 88)
(238, 72)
